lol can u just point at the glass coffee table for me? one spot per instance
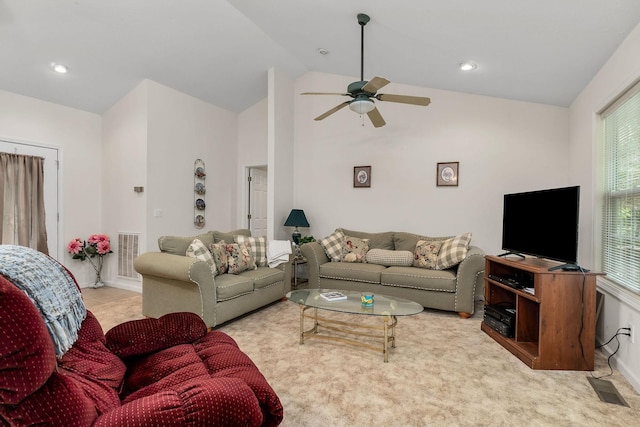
(386, 307)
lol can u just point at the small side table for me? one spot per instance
(295, 280)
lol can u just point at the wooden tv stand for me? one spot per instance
(554, 325)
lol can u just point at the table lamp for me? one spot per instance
(296, 219)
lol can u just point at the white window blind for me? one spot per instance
(621, 204)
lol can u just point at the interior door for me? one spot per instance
(50, 156)
(257, 218)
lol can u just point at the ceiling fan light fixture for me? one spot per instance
(59, 68)
(467, 66)
(362, 106)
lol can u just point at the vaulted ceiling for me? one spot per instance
(542, 51)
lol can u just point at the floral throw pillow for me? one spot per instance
(332, 246)
(258, 246)
(219, 254)
(198, 250)
(239, 258)
(354, 249)
(426, 253)
(453, 251)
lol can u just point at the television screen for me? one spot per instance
(542, 223)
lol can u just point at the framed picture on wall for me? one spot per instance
(362, 176)
(447, 174)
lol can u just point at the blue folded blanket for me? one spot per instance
(51, 288)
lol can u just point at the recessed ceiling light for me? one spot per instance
(59, 68)
(323, 51)
(467, 66)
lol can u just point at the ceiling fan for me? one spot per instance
(363, 92)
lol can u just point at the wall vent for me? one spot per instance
(128, 250)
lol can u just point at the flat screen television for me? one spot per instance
(543, 224)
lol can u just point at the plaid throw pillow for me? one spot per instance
(332, 246)
(258, 246)
(453, 251)
(198, 250)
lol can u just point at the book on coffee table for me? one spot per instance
(333, 296)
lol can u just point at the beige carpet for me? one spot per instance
(444, 371)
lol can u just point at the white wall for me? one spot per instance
(124, 153)
(620, 307)
(280, 147)
(252, 151)
(78, 136)
(182, 129)
(502, 146)
(152, 138)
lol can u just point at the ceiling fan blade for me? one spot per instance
(325, 93)
(376, 118)
(333, 110)
(404, 99)
(375, 84)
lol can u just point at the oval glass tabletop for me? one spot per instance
(383, 305)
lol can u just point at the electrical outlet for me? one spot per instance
(630, 332)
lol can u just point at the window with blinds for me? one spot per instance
(621, 204)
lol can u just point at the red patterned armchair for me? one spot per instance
(152, 372)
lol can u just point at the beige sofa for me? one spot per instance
(451, 289)
(173, 282)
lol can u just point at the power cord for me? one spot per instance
(584, 280)
(628, 333)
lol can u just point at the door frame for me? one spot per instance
(247, 194)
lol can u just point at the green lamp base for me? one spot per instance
(296, 236)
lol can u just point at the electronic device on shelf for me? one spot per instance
(498, 326)
(542, 223)
(505, 314)
(515, 281)
(500, 318)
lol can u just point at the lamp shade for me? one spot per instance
(296, 218)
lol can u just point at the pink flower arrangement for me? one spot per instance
(97, 245)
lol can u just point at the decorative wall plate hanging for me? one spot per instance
(199, 204)
(200, 173)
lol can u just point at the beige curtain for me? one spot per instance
(22, 201)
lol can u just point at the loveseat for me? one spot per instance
(58, 368)
(173, 281)
(443, 273)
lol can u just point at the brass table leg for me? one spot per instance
(315, 322)
(388, 329)
(386, 340)
(302, 309)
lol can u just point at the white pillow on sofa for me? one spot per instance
(390, 258)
